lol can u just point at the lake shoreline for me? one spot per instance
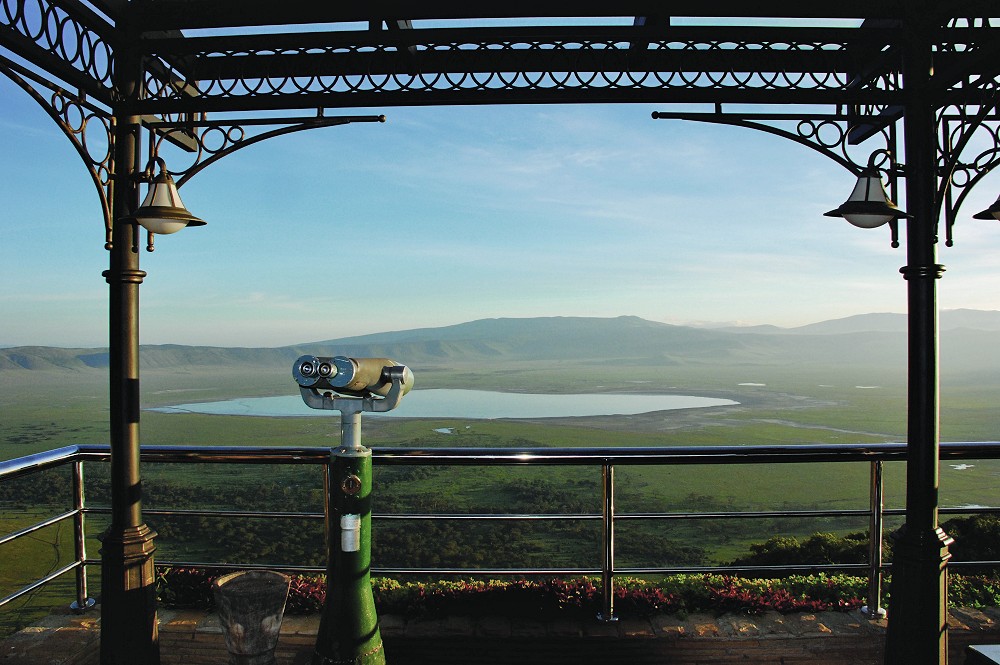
(465, 404)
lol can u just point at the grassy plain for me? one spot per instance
(778, 404)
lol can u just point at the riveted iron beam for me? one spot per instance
(433, 63)
(182, 14)
(526, 95)
(179, 45)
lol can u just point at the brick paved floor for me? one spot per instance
(826, 638)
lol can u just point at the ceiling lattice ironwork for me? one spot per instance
(203, 56)
(212, 68)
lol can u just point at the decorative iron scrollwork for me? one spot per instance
(88, 127)
(829, 135)
(68, 40)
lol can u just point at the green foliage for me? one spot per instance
(552, 597)
(977, 538)
(973, 591)
(819, 548)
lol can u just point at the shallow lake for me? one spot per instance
(477, 404)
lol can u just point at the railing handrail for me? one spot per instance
(606, 458)
(748, 454)
(22, 466)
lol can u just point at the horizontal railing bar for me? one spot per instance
(739, 515)
(973, 564)
(36, 527)
(619, 571)
(749, 454)
(699, 570)
(21, 466)
(239, 566)
(219, 454)
(450, 572)
(234, 513)
(622, 516)
(41, 582)
(183, 512)
(640, 456)
(527, 517)
(978, 510)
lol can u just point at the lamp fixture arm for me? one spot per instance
(234, 135)
(807, 133)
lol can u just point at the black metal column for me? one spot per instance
(128, 598)
(918, 629)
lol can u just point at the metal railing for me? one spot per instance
(607, 459)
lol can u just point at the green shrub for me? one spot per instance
(191, 588)
(819, 548)
(977, 538)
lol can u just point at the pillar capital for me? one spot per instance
(126, 276)
(934, 271)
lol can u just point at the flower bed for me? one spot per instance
(677, 594)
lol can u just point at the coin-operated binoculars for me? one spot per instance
(348, 629)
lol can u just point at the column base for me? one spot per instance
(917, 632)
(128, 597)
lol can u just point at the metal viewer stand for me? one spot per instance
(348, 629)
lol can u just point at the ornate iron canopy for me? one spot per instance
(206, 56)
(834, 71)
(896, 89)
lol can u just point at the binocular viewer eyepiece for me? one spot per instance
(357, 377)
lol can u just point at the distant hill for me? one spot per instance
(949, 319)
(968, 340)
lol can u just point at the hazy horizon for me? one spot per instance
(706, 325)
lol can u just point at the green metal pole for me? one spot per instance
(348, 629)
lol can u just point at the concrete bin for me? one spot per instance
(251, 604)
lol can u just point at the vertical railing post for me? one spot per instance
(608, 544)
(83, 602)
(874, 608)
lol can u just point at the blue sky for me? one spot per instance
(445, 215)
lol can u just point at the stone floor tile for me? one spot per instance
(423, 627)
(210, 623)
(565, 628)
(493, 626)
(388, 624)
(741, 627)
(703, 625)
(843, 623)
(300, 624)
(458, 626)
(975, 619)
(956, 623)
(668, 626)
(636, 628)
(594, 628)
(520, 627)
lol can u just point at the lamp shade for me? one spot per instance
(993, 212)
(868, 206)
(162, 211)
